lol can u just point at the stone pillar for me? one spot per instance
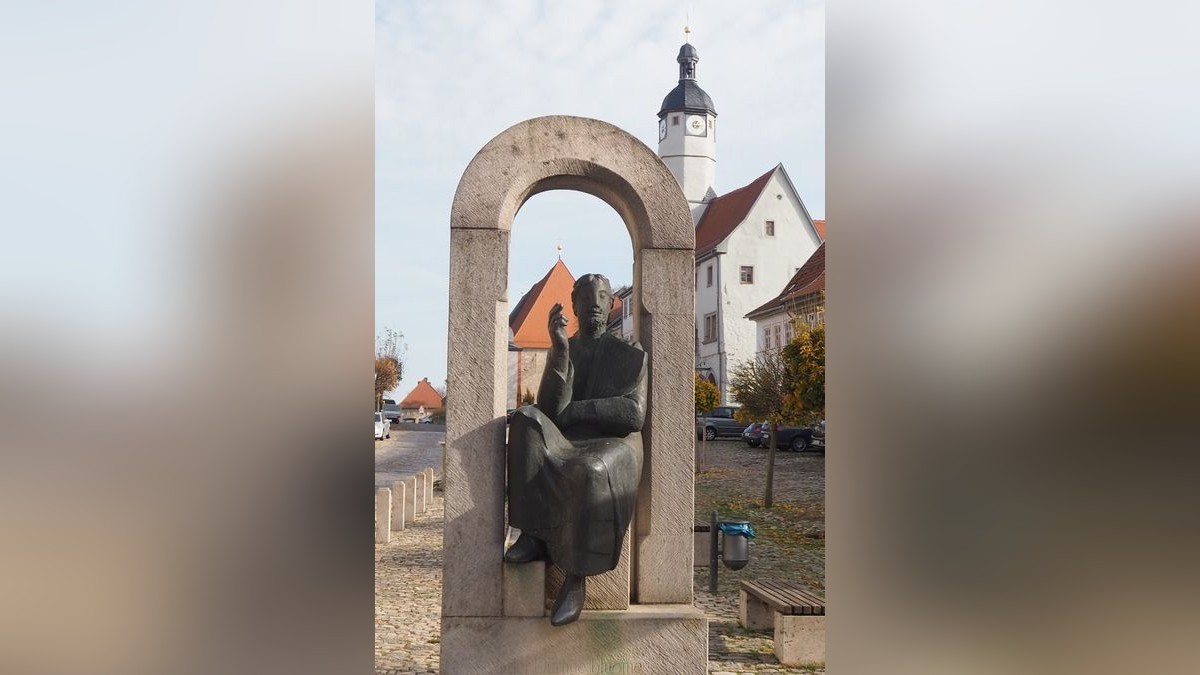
(410, 499)
(473, 461)
(428, 473)
(419, 499)
(383, 515)
(666, 501)
(398, 505)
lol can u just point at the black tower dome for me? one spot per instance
(687, 96)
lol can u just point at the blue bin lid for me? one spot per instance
(741, 527)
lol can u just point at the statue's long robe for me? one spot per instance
(573, 465)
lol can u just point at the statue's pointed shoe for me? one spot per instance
(525, 549)
(570, 600)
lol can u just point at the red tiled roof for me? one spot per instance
(810, 278)
(528, 318)
(615, 314)
(820, 226)
(422, 395)
(726, 212)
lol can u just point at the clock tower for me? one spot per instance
(687, 134)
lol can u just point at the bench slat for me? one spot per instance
(767, 595)
(796, 595)
(786, 597)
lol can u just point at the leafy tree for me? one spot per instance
(707, 398)
(805, 360)
(389, 367)
(707, 395)
(761, 386)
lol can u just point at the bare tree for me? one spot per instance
(389, 366)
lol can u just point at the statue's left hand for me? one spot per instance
(557, 326)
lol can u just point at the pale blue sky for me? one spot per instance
(450, 76)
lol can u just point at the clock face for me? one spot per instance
(695, 125)
(662, 128)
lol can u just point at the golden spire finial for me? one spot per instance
(687, 32)
(559, 248)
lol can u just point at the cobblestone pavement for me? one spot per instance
(408, 572)
(406, 453)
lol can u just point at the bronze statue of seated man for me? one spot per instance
(572, 473)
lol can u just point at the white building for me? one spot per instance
(749, 241)
(802, 299)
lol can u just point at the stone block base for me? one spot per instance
(754, 614)
(799, 640)
(644, 639)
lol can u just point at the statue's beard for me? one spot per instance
(591, 327)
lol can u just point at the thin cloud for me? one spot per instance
(451, 76)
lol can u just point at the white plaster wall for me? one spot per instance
(692, 159)
(706, 301)
(775, 260)
(769, 322)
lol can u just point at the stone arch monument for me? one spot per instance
(491, 612)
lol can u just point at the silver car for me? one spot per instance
(383, 428)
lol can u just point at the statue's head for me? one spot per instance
(592, 300)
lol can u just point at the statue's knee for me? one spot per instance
(594, 464)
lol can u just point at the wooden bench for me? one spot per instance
(796, 614)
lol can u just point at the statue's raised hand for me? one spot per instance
(558, 327)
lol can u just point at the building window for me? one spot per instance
(710, 327)
(778, 339)
(709, 275)
(747, 274)
(674, 120)
(789, 332)
(770, 228)
(766, 338)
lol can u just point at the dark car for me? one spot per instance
(818, 437)
(797, 439)
(719, 422)
(755, 433)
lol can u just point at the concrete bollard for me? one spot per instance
(420, 496)
(410, 499)
(398, 505)
(383, 516)
(429, 482)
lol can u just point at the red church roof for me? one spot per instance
(422, 395)
(528, 318)
(810, 278)
(726, 212)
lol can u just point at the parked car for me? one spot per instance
(818, 437)
(755, 433)
(787, 437)
(796, 439)
(719, 422)
(383, 428)
(391, 410)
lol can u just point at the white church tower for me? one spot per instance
(687, 134)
